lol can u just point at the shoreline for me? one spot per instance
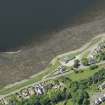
(56, 57)
(14, 52)
(34, 59)
(51, 62)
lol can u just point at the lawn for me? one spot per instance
(82, 75)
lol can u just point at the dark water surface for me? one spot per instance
(20, 21)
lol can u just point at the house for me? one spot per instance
(19, 96)
(25, 93)
(65, 60)
(103, 98)
(31, 91)
(100, 99)
(42, 87)
(98, 102)
(91, 60)
(61, 69)
(4, 101)
(101, 46)
(48, 86)
(39, 89)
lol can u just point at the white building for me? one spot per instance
(39, 89)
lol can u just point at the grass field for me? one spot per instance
(82, 75)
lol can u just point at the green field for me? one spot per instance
(82, 75)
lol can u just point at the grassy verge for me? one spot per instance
(82, 75)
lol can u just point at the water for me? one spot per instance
(20, 21)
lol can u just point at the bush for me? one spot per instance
(92, 67)
(85, 61)
(76, 71)
(76, 63)
(81, 71)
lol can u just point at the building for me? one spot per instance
(66, 59)
(61, 69)
(39, 89)
(25, 93)
(19, 96)
(100, 100)
(103, 98)
(4, 101)
(97, 102)
(91, 60)
(31, 91)
(48, 86)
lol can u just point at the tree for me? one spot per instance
(85, 61)
(86, 102)
(92, 67)
(37, 103)
(53, 95)
(76, 63)
(80, 97)
(44, 100)
(74, 87)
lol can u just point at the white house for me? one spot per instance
(39, 89)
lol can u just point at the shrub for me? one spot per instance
(92, 67)
(85, 61)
